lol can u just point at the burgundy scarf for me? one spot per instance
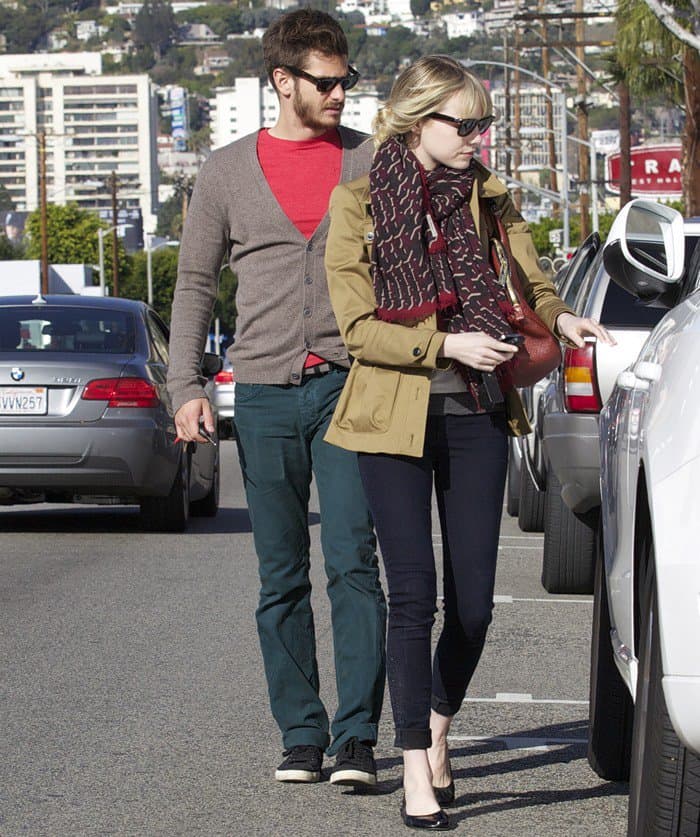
(427, 255)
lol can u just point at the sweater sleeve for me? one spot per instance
(367, 338)
(202, 250)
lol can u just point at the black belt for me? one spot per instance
(318, 369)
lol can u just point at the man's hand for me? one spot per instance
(576, 328)
(477, 350)
(187, 420)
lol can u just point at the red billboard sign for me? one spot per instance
(656, 170)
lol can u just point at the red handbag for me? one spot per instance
(541, 351)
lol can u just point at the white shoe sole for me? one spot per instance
(298, 775)
(352, 777)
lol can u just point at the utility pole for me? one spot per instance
(584, 174)
(549, 108)
(518, 153)
(41, 140)
(506, 106)
(115, 240)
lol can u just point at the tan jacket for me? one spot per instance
(383, 407)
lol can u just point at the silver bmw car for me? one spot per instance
(85, 415)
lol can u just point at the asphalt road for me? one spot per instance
(132, 700)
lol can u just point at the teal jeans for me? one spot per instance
(279, 430)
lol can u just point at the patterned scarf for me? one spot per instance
(427, 255)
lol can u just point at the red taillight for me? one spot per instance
(122, 392)
(224, 377)
(581, 393)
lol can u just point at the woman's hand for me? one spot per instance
(477, 350)
(576, 328)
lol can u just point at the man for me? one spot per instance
(263, 199)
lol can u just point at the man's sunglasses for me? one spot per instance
(327, 83)
(465, 127)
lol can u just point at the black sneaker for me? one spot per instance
(354, 765)
(301, 764)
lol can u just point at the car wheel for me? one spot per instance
(531, 503)
(208, 506)
(171, 513)
(569, 544)
(665, 776)
(611, 711)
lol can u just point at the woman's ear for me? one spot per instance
(413, 134)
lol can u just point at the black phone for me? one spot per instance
(513, 338)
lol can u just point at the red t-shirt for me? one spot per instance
(302, 174)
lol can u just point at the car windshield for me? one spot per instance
(53, 329)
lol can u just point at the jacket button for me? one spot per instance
(295, 376)
(370, 236)
(307, 344)
(417, 352)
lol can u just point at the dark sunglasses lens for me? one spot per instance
(325, 85)
(350, 81)
(467, 126)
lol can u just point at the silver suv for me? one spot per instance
(569, 421)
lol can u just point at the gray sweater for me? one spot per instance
(284, 310)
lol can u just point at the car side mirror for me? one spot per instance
(645, 251)
(211, 364)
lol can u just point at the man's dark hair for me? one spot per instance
(289, 39)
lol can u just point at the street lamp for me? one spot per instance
(101, 233)
(149, 265)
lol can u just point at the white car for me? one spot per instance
(645, 660)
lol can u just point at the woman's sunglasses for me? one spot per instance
(327, 83)
(465, 127)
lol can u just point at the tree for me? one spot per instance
(650, 35)
(72, 238)
(155, 26)
(164, 275)
(6, 202)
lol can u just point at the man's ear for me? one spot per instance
(283, 81)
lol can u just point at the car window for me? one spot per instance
(691, 282)
(587, 283)
(57, 329)
(159, 338)
(623, 310)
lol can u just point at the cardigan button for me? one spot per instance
(417, 352)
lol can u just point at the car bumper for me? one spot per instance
(682, 700)
(135, 460)
(573, 450)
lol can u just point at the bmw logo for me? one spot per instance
(17, 374)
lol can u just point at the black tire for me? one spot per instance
(208, 506)
(665, 776)
(611, 709)
(512, 491)
(531, 505)
(568, 563)
(171, 513)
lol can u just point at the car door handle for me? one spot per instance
(628, 380)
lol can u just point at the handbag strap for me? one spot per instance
(500, 245)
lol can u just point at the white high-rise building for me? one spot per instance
(252, 104)
(94, 125)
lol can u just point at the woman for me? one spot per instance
(421, 311)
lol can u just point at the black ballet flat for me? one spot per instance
(439, 821)
(445, 796)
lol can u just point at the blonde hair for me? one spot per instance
(421, 88)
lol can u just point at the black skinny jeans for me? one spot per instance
(467, 457)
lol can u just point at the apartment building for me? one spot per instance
(251, 104)
(94, 125)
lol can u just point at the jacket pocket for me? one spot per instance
(367, 403)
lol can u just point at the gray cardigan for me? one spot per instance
(284, 310)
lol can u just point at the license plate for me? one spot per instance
(22, 401)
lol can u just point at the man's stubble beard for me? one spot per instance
(306, 115)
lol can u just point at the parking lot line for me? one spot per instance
(518, 697)
(512, 742)
(500, 599)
